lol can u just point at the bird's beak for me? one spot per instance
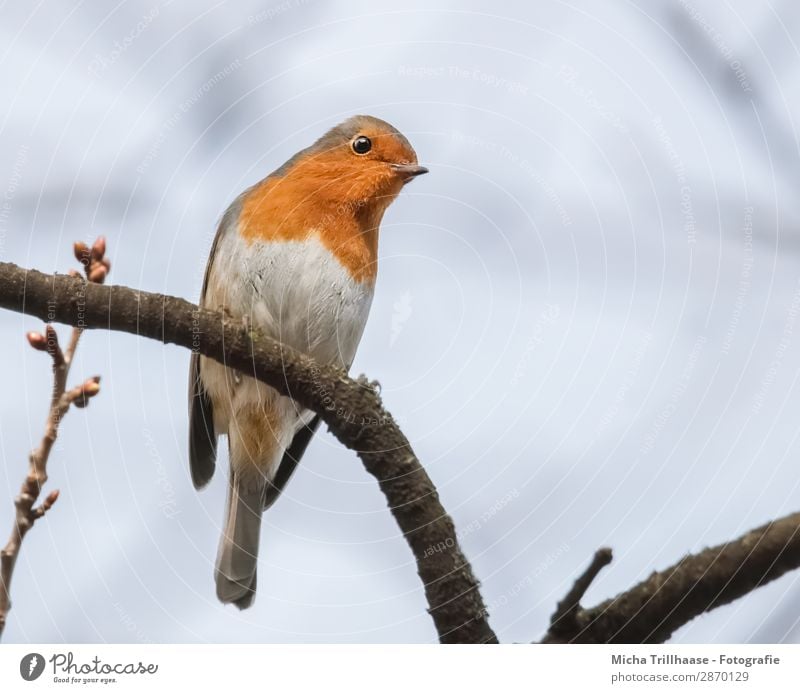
(409, 171)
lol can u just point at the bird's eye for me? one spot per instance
(362, 144)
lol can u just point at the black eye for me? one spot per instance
(362, 144)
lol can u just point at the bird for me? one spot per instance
(295, 256)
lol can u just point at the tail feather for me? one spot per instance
(237, 557)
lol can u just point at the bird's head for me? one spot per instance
(364, 162)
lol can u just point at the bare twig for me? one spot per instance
(564, 620)
(26, 511)
(25, 514)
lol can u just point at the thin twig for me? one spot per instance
(565, 617)
(26, 511)
(26, 514)
(72, 347)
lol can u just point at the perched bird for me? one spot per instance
(296, 257)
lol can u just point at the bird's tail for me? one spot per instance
(237, 557)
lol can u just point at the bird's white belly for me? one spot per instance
(296, 292)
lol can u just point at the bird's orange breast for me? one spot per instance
(290, 208)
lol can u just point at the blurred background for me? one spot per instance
(586, 317)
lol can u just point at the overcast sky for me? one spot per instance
(586, 316)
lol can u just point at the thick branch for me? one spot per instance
(352, 409)
(654, 609)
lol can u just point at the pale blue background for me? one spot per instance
(571, 321)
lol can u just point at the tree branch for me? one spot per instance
(352, 410)
(654, 609)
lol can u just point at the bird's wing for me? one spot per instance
(289, 461)
(202, 436)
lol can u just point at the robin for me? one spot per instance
(295, 256)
